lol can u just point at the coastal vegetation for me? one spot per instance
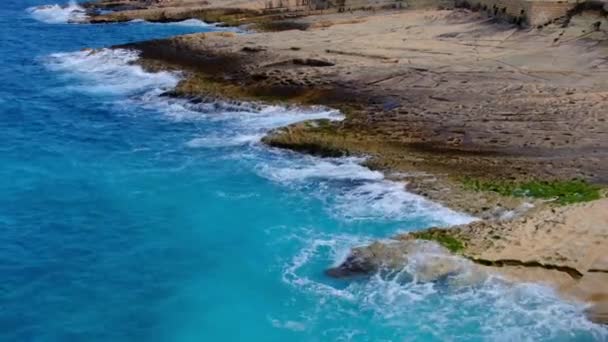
(559, 191)
(442, 237)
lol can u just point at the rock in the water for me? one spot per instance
(370, 259)
(425, 260)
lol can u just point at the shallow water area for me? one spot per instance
(127, 215)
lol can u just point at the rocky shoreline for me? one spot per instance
(435, 98)
(561, 246)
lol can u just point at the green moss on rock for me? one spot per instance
(564, 192)
(441, 237)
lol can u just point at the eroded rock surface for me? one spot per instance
(448, 94)
(424, 261)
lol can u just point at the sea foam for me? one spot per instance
(354, 192)
(110, 71)
(113, 71)
(58, 14)
(186, 23)
(246, 124)
(72, 12)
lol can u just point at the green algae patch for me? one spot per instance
(270, 25)
(321, 126)
(563, 192)
(441, 237)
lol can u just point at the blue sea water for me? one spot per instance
(128, 216)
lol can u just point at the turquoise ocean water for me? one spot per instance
(128, 216)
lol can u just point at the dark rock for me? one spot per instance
(312, 62)
(354, 265)
(253, 49)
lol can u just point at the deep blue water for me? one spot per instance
(125, 216)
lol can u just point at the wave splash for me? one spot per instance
(490, 309)
(186, 23)
(355, 193)
(58, 14)
(74, 13)
(245, 123)
(110, 71)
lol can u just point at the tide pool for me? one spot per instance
(129, 216)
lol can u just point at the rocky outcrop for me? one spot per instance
(565, 247)
(420, 100)
(428, 113)
(598, 312)
(423, 261)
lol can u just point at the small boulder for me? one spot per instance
(312, 62)
(425, 261)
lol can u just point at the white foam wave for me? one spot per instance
(252, 116)
(389, 200)
(243, 123)
(338, 246)
(110, 71)
(58, 14)
(355, 192)
(113, 71)
(186, 23)
(215, 141)
(339, 169)
(192, 23)
(493, 311)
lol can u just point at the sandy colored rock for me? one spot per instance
(479, 96)
(599, 312)
(574, 237)
(565, 247)
(446, 93)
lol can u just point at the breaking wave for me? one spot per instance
(58, 14)
(188, 23)
(74, 13)
(354, 192)
(110, 71)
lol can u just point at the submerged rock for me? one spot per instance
(370, 259)
(425, 261)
